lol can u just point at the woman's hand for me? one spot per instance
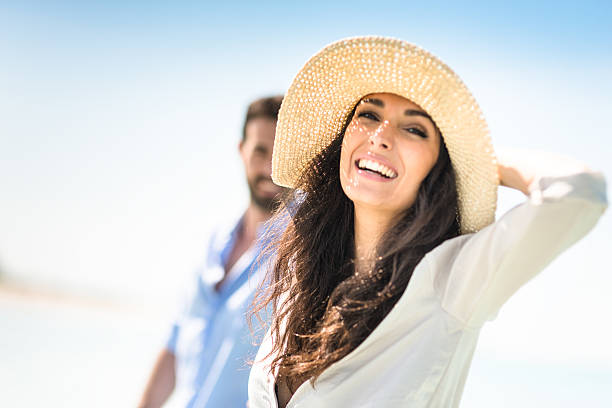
(518, 168)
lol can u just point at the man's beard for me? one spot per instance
(265, 203)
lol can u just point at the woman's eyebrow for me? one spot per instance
(407, 112)
(374, 101)
(414, 112)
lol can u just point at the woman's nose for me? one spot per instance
(381, 136)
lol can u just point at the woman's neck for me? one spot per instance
(370, 226)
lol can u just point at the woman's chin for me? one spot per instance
(377, 201)
(374, 202)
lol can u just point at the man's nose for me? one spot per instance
(382, 136)
(268, 166)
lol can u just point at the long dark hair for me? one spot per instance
(323, 308)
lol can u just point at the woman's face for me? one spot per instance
(388, 149)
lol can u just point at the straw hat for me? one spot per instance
(333, 81)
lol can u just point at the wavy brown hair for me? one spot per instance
(328, 308)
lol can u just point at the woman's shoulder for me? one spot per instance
(447, 251)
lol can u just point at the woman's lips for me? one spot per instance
(368, 174)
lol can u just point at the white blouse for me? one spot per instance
(420, 354)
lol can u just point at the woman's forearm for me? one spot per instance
(518, 168)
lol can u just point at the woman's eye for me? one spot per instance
(368, 115)
(416, 131)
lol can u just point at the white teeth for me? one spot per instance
(377, 167)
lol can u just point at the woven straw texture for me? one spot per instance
(331, 83)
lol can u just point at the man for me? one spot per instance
(205, 359)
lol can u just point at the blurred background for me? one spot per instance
(119, 125)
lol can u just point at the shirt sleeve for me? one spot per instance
(172, 338)
(191, 296)
(194, 300)
(477, 273)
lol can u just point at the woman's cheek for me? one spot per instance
(345, 172)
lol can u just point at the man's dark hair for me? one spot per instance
(262, 108)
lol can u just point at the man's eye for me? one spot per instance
(416, 131)
(368, 115)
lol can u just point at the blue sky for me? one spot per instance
(121, 119)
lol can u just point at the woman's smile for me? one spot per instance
(376, 168)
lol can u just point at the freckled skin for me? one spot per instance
(387, 132)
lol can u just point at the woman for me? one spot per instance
(391, 262)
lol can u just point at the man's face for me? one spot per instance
(256, 153)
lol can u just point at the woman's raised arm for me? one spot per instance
(477, 273)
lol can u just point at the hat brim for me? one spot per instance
(332, 82)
